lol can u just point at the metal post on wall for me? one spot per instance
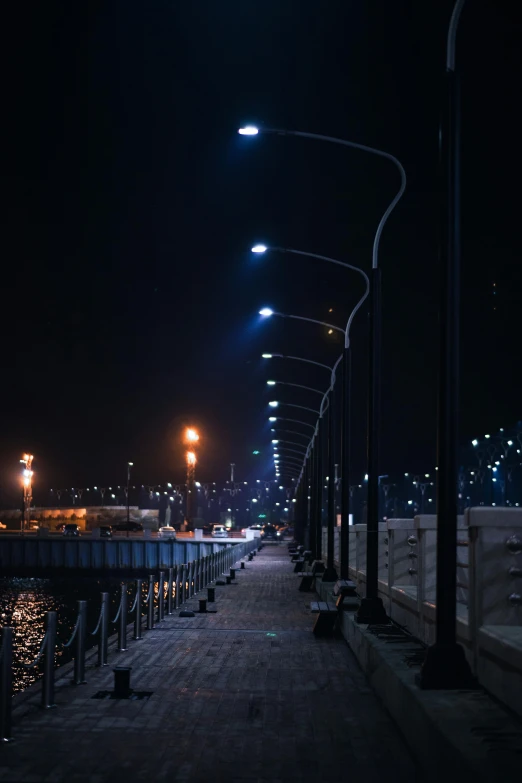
(161, 596)
(330, 574)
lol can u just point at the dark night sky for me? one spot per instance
(129, 296)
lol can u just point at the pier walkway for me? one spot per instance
(245, 694)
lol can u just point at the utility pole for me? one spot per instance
(129, 466)
(232, 466)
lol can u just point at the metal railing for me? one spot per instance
(182, 583)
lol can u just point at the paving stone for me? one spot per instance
(245, 694)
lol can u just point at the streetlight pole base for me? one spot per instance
(372, 612)
(329, 574)
(446, 668)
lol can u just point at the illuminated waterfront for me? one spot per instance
(24, 603)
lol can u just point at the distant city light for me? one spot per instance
(255, 452)
(487, 436)
(474, 442)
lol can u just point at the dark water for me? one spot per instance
(24, 603)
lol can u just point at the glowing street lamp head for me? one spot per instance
(191, 435)
(191, 458)
(266, 355)
(275, 441)
(271, 383)
(273, 404)
(272, 418)
(259, 249)
(248, 130)
(266, 312)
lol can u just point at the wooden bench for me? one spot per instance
(307, 580)
(326, 617)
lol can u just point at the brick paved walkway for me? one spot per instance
(246, 694)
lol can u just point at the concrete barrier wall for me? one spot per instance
(489, 588)
(44, 556)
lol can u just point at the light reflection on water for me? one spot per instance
(24, 603)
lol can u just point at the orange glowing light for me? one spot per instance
(191, 435)
(191, 458)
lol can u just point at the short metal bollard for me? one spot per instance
(137, 609)
(232, 573)
(6, 684)
(250, 557)
(211, 594)
(81, 634)
(48, 667)
(161, 596)
(202, 605)
(242, 564)
(229, 579)
(103, 633)
(169, 588)
(122, 625)
(122, 689)
(150, 604)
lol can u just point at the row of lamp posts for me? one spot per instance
(445, 665)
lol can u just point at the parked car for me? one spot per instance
(105, 531)
(60, 526)
(132, 527)
(71, 529)
(167, 532)
(219, 531)
(286, 531)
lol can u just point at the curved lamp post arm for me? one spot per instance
(363, 148)
(297, 358)
(301, 407)
(338, 263)
(296, 386)
(452, 35)
(294, 421)
(291, 432)
(310, 321)
(290, 443)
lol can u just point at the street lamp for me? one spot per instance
(266, 312)
(371, 609)
(345, 413)
(129, 466)
(445, 665)
(27, 479)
